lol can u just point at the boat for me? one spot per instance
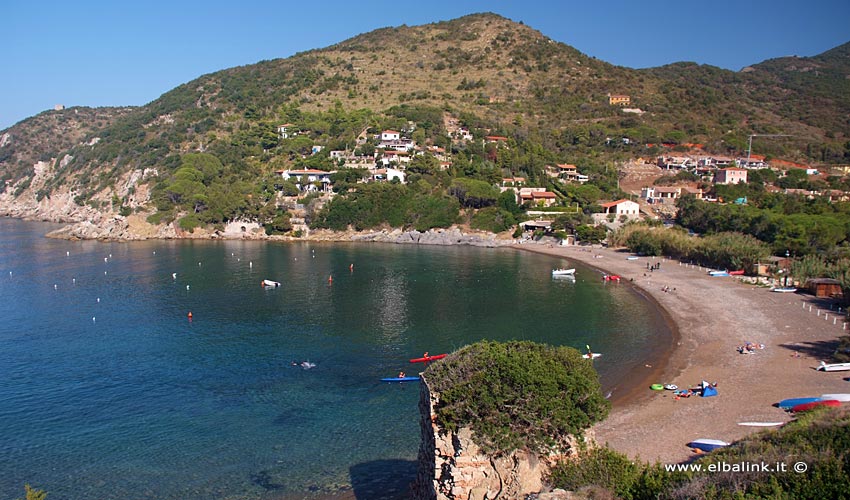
(591, 355)
(399, 379)
(844, 398)
(784, 289)
(815, 404)
(707, 444)
(563, 272)
(631, 258)
(787, 404)
(739, 272)
(718, 273)
(427, 359)
(271, 283)
(761, 424)
(610, 277)
(834, 367)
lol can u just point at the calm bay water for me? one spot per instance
(109, 391)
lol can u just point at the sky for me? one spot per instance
(114, 53)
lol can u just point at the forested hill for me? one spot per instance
(489, 73)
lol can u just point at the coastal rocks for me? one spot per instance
(451, 236)
(452, 467)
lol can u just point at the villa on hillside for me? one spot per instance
(312, 176)
(286, 130)
(618, 100)
(730, 176)
(621, 207)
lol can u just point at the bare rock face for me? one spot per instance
(453, 467)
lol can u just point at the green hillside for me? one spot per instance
(483, 71)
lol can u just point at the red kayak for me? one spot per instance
(815, 404)
(426, 359)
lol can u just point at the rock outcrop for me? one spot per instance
(453, 467)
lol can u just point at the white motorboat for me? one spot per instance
(563, 272)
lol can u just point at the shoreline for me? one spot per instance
(659, 364)
(709, 318)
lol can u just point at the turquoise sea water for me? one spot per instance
(109, 391)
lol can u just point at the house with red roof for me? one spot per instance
(621, 207)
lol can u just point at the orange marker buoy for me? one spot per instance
(189, 315)
(330, 279)
(351, 268)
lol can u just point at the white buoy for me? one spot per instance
(174, 276)
(199, 264)
(154, 252)
(93, 319)
(105, 259)
(104, 273)
(187, 287)
(251, 264)
(10, 273)
(55, 287)
(67, 254)
(98, 300)
(74, 280)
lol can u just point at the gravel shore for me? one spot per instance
(712, 317)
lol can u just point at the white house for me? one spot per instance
(390, 135)
(388, 174)
(286, 130)
(622, 207)
(312, 175)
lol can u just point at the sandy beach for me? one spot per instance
(711, 317)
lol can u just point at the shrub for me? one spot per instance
(189, 223)
(517, 395)
(492, 219)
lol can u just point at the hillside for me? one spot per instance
(483, 71)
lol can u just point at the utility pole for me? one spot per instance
(750, 142)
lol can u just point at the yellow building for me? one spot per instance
(619, 100)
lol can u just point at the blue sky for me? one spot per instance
(108, 53)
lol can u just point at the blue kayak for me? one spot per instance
(399, 379)
(787, 404)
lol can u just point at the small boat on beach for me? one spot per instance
(563, 272)
(707, 444)
(591, 355)
(761, 424)
(271, 283)
(610, 277)
(716, 274)
(844, 398)
(787, 404)
(815, 404)
(784, 289)
(739, 272)
(834, 367)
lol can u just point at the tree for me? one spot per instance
(473, 193)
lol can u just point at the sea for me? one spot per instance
(165, 370)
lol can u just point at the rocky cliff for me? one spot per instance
(452, 466)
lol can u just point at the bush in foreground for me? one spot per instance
(517, 395)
